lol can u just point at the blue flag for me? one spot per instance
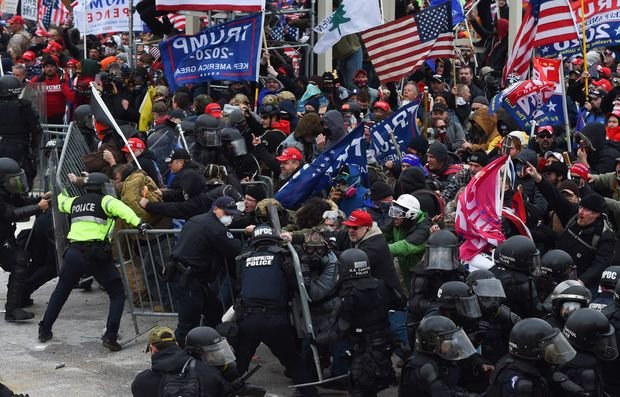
(228, 51)
(552, 112)
(524, 100)
(458, 15)
(402, 125)
(317, 176)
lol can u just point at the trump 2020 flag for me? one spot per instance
(228, 51)
(478, 211)
(314, 177)
(551, 113)
(523, 100)
(352, 16)
(402, 125)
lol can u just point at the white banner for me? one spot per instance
(30, 10)
(104, 16)
(8, 6)
(204, 5)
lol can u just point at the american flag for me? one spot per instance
(398, 47)
(178, 21)
(277, 32)
(545, 22)
(52, 12)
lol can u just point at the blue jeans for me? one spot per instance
(398, 325)
(88, 259)
(349, 66)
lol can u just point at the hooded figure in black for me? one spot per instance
(601, 153)
(412, 181)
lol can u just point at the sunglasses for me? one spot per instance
(544, 135)
(355, 227)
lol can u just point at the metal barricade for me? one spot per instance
(142, 259)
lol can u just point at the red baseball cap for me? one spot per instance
(52, 46)
(358, 218)
(580, 170)
(29, 56)
(605, 72)
(17, 19)
(214, 109)
(133, 144)
(603, 83)
(383, 105)
(290, 154)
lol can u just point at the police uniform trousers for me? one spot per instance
(15, 260)
(273, 328)
(90, 258)
(197, 304)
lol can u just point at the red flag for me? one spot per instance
(546, 69)
(478, 211)
(518, 205)
(544, 22)
(398, 47)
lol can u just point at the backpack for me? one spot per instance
(183, 384)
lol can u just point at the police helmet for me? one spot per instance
(610, 277)
(457, 295)
(95, 182)
(557, 265)
(442, 251)
(12, 176)
(517, 253)
(264, 234)
(83, 116)
(565, 300)
(589, 330)
(207, 131)
(237, 143)
(208, 345)
(536, 339)
(617, 294)
(354, 264)
(440, 336)
(9, 86)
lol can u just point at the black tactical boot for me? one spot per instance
(111, 343)
(44, 333)
(17, 315)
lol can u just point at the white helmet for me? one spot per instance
(406, 206)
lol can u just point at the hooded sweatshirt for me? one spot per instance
(335, 123)
(603, 158)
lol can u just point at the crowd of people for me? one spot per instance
(381, 275)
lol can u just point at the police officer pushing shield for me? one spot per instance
(14, 206)
(89, 252)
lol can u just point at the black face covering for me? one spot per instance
(313, 261)
(327, 132)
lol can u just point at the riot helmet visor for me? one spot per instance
(218, 354)
(468, 307)
(569, 308)
(455, 346)
(489, 288)
(557, 349)
(441, 258)
(16, 183)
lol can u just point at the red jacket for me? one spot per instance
(58, 93)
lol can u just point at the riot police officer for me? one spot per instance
(433, 369)
(534, 347)
(14, 205)
(555, 266)
(456, 300)
(89, 252)
(266, 280)
(592, 337)
(208, 135)
(20, 131)
(497, 319)
(363, 319)
(608, 282)
(566, 300)
(83, 119)
(440, 264)
(515, 259)
(611, 369)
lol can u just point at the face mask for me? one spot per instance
(460, 101)
(226, 220)
(327, 132)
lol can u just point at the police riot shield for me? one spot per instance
(35, 93)
(301, 310)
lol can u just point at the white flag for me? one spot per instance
(352, 16)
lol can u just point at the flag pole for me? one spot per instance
(106, 111)
(583, 43)
(426, 110)
(564, 104)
